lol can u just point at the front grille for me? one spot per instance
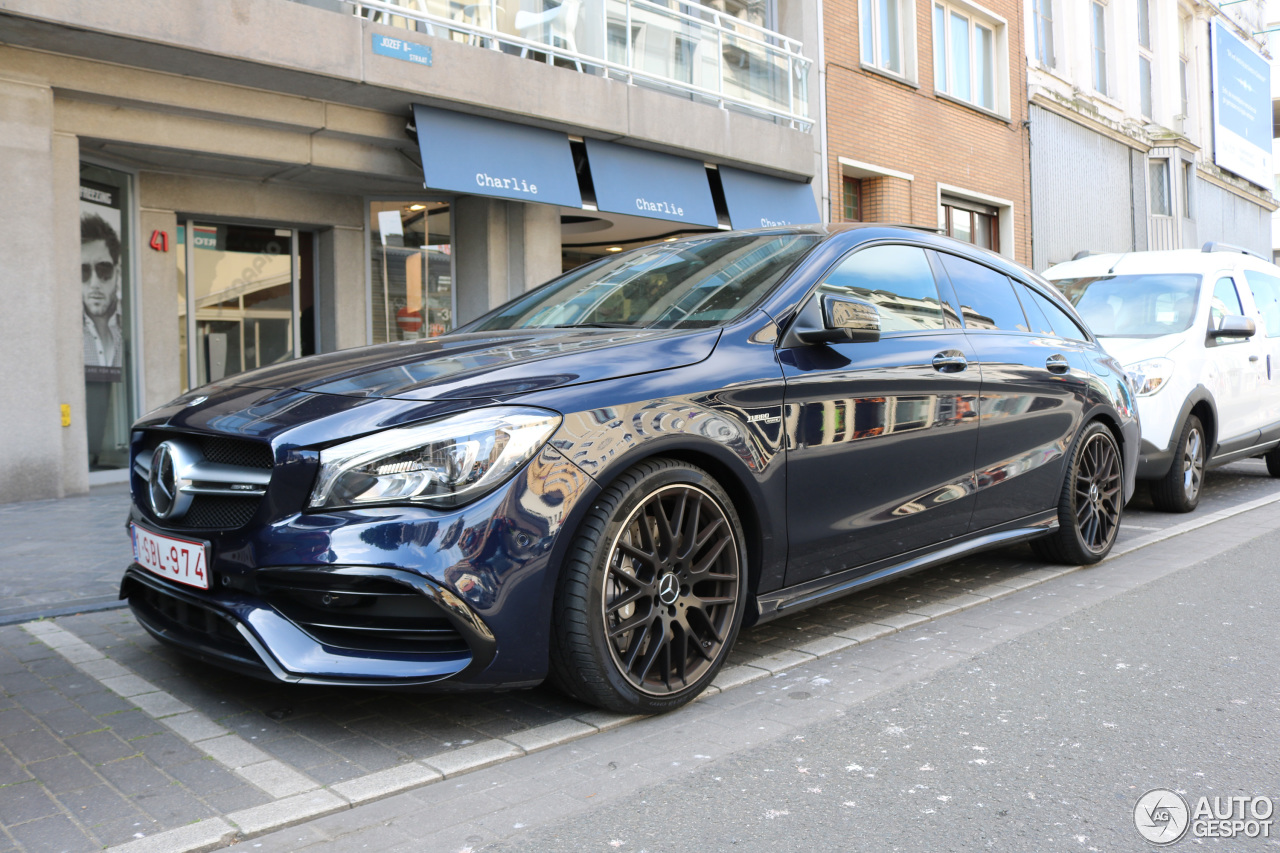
(237, 452)
(360, 612)
(207, 511)
(214, 512)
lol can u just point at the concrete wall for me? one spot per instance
(40, 335)
(502, 248)
(1224, 216)
(1081, 191)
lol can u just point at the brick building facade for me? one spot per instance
(929, 131)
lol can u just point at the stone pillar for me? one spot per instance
(164, 369)
(503, 248)
(40, 323)
(343, 302)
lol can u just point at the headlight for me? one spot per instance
(1148, 377)
(443, 463)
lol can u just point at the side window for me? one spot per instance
(897, 280)
(987, 300)
(1225, 301)
(1048, 318)
(1266, 295)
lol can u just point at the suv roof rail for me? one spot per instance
(1215, 246)
(1083, 253)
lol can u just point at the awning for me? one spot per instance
(483, 156)
(759, 201)
(646, 183)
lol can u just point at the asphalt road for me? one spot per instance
(1044, 742)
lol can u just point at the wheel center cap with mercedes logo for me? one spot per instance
(668, 589)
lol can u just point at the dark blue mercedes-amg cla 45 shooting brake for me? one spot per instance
(602, 481)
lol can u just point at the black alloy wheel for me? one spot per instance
(652, 596)
(1179, 489)
(1090, 503)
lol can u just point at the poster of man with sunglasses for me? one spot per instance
(101, 274)
(100, 282)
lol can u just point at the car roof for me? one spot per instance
(1193, 261)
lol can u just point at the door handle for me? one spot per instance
(950, 361)
(1057, 363)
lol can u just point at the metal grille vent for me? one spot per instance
(209, 512)
(232, 451)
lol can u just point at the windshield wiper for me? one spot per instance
(596, 326)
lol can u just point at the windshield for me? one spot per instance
(690, 284)
(1134, 306)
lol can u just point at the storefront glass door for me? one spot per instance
(245, 283)
(412, 276)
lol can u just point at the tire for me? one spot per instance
(1273, 461)
(652, 592)
(1090, 503)
(1179, 489)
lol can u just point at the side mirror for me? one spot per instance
(844, 319)
(1234, 326)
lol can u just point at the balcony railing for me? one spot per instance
(680, 47)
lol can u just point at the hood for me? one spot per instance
(486, 365)
(1130, 350)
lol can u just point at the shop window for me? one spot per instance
(106, 267)
(968, 56)
(411, 248)
(970, 222)
(852, 194)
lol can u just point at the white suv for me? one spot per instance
(1199, 333)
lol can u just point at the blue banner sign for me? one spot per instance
(400, 49)
(761, 201)
(647, 183)
(484, 156)
(1241, 108)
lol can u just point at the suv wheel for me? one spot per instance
(1179, 490)
(652, 593)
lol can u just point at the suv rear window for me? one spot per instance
(1134, 306)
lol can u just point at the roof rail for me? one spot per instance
(1215, 246)
(1083, 253)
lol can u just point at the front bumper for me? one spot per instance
(381, 597)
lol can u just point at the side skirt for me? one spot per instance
(790, 599)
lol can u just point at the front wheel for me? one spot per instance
(652, 593)
(1179, 490)
(1090, 503)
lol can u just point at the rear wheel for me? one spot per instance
(652, 594)
(1090, 503)
(1273, 462)
(1179, 490)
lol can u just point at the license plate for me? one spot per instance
(182, 560)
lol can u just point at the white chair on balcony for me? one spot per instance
(556, 27)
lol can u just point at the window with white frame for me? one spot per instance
(1184, 62)
(887, 35)
(1042, 30)
(969, 56)
(1098, 45)
(1145, 58)
(1159, 181)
